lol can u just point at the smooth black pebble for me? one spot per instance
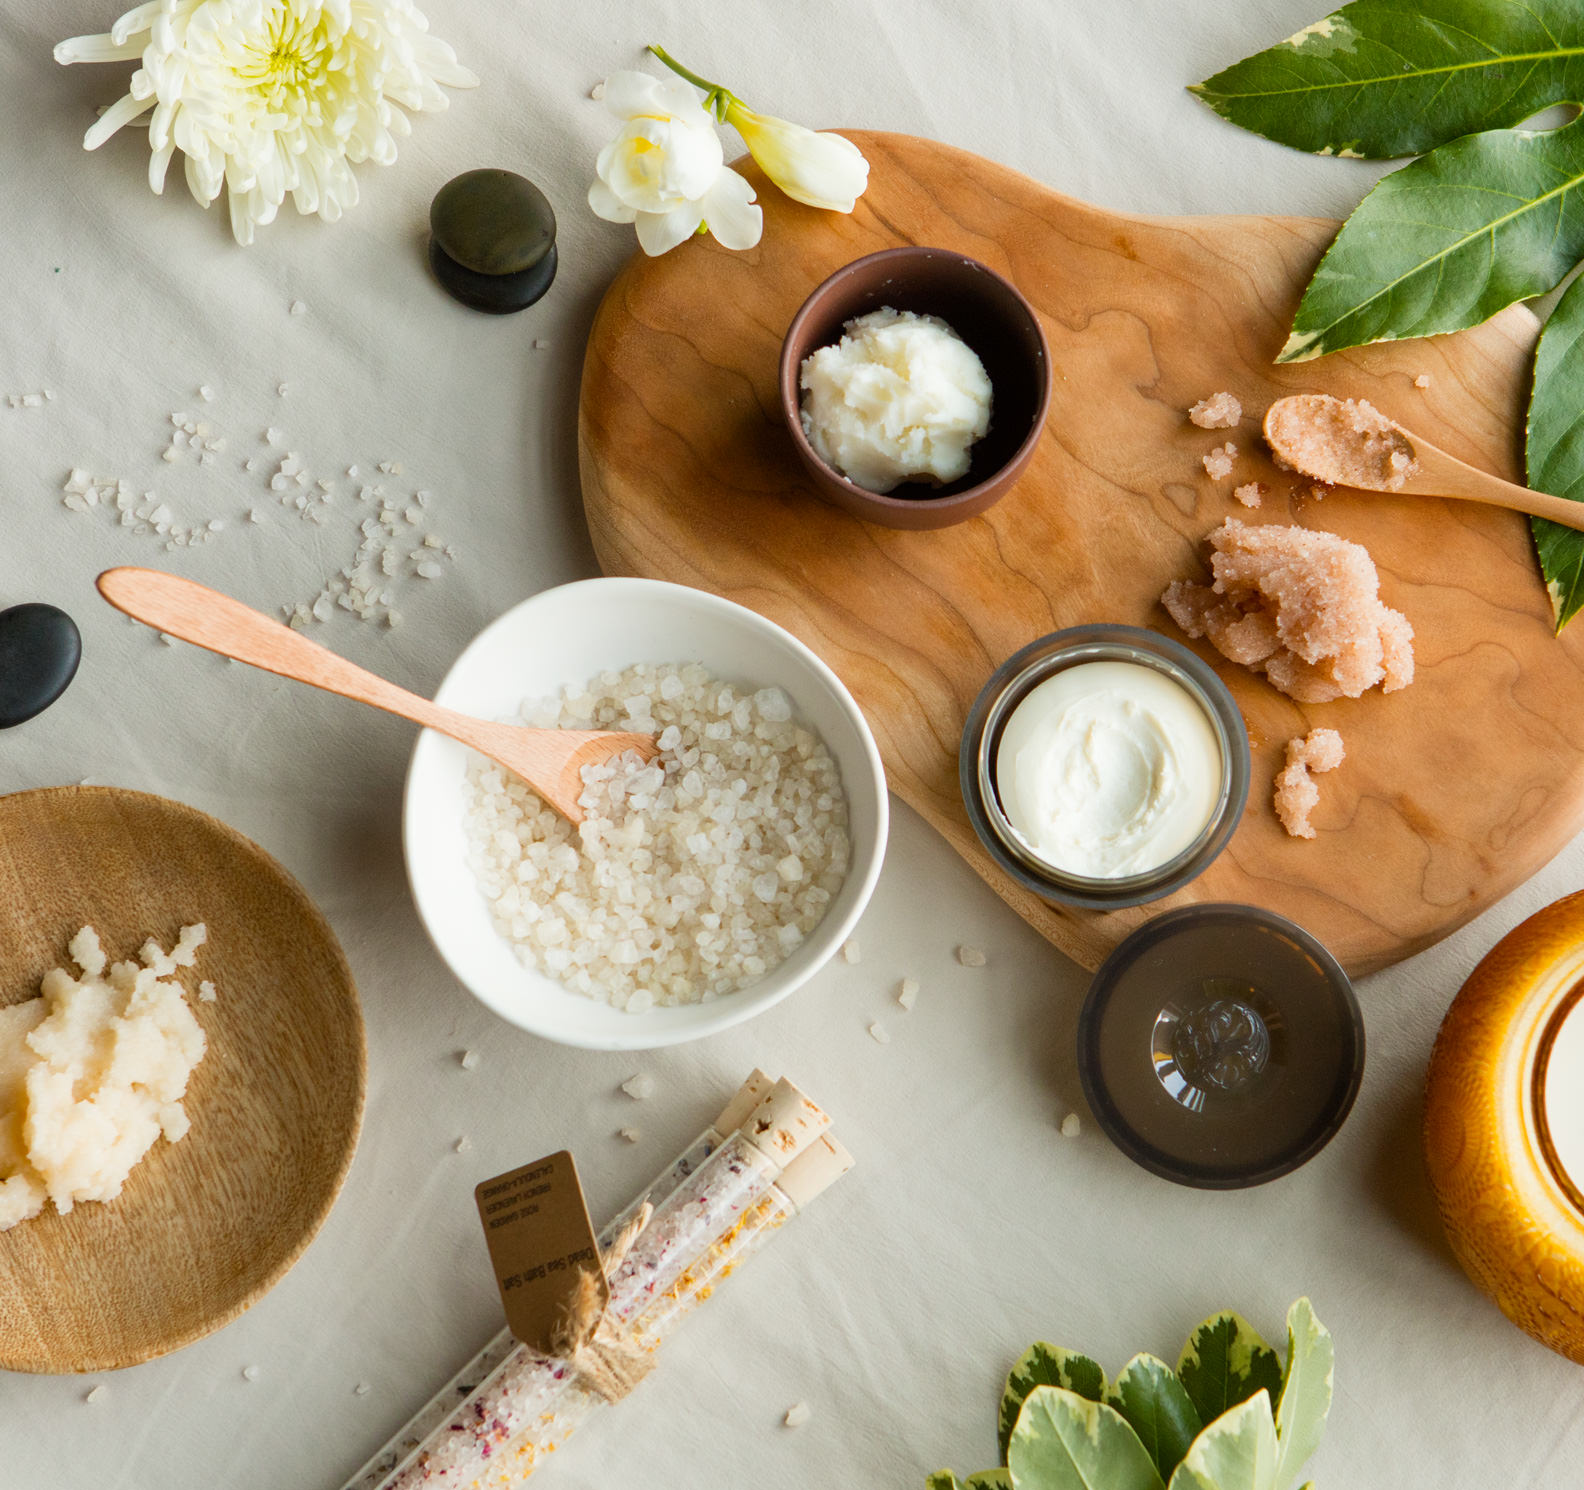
(39, 651)
(492, 240)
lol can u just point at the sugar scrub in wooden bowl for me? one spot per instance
(700, 888)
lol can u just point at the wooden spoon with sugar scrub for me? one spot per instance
(549, 760)
(1349, 442)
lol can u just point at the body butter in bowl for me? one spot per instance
(701, 888)
(1104, 766)
(915, 384)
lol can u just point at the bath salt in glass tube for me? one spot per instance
(806, 1177)
(475, 1375)
(682, 1227)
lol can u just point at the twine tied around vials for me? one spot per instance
(605, 1359)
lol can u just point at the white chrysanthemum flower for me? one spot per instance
(269, 97)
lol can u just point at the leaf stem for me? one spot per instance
(716, 98)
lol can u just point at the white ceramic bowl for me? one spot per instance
(567, 635)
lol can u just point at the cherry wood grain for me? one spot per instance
(1454, 790)
(549, 760)
(206, 1226)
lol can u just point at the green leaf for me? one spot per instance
(1225, 1362)
(943, 1479)
(1305, 1391)
(1043, 1365)
(1236, 1452)
(1066, 1442)
(1157, 1408)
(1448, 241)
(1399, 77)
(986, 1479)
(1554, 452)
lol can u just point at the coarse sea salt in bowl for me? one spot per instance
(567, 636)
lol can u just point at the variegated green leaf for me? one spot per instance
(1399, 77)
(1305, 1391)
(1554, 450)
(1236, 1452)
(1225, 1362)
(1043, 1365)
(1066, 1442)
(943, 1479)
(1157, 1407)
(1448, 241)
(989, 1479)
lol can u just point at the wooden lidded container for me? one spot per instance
(1504, 1126)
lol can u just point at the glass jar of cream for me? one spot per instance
(1104, 766)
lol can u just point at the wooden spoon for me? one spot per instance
(1343, 445)
(549, 760)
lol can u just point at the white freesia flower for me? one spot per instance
(819, 169)
(665, 171)
(270, 97)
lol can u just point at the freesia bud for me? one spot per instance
(819, 169)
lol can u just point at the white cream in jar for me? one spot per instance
(1108, 769)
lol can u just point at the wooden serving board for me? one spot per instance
(1454, 790)
(206, 1226)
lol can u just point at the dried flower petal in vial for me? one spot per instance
(270, 98)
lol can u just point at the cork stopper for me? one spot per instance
(815, 1170)
(784, 1124)
(748, 1097)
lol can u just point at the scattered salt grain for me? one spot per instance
(540, 344)
(361, 1389)
(597, 92)
(298, 308)
(250, 1373)
(469, 1060)
(879, 1034)
(96, 1395)
(632, 1135)
(851, 951)
(797, 1415)
(1071, 1125)
(640, 1087)
(429, 570)
(1219, 411)
(282, 389)
(970, 957)
(907, 993)
(206, 992)
(463, 1144)
(206, 393)
(1422, 381)
(1250, 494)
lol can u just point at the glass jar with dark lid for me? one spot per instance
(1220, 1046)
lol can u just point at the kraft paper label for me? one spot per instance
(537, 1227)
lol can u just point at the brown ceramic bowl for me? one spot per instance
(983, 309)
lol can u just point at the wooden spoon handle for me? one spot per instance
(195, 613)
